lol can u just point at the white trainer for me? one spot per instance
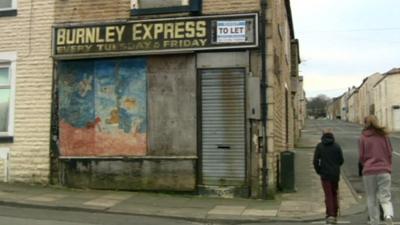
(388, 220)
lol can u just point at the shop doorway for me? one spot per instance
(396, 119)
(222, 93)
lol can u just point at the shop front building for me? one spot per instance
(157, 104)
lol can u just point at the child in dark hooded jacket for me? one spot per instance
(328, 158)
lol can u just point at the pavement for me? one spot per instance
(305, 204)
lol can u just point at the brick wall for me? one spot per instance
(102, 10)
(232, 6)
(83, 11)
(392, 82)
(279, 72)
(365, 95)
(29, 34)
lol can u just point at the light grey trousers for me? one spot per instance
(377, 188)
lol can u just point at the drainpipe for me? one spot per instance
(263, 87)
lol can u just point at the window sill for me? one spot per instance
(165, 10)
(10, 12)
(6, 139)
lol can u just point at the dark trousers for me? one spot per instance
(331, 197)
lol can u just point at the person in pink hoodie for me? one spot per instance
(375, 155)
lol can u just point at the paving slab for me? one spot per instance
(227, 210)
(50, 197)
(260, 212)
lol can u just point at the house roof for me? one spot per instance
(353, 91)
(291, 27)
(366, 79)
(393, 71)
(336, 99)
(340, 96)
(388, 73)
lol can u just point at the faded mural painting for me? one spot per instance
(102, 107)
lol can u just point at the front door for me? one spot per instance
(396, 119)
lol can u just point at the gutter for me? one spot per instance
(290, 18)
(264, 106)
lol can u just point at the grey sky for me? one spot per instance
(344, 41)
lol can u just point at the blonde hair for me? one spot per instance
(327, 130)
(371, 122)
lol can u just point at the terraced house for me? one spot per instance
(25, 89)
(386, 102)
(177, 95)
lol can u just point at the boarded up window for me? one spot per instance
(103, 107)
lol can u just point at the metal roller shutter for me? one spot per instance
(223, 126)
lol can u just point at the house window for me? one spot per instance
(6, 4)
(7, 88)
(8, 7)
(160, 4)
(148, 7)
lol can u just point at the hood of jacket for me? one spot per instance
(327, 139)
(369, 132)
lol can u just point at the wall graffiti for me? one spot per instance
(102, 107)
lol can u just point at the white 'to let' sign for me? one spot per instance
(230, 31)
